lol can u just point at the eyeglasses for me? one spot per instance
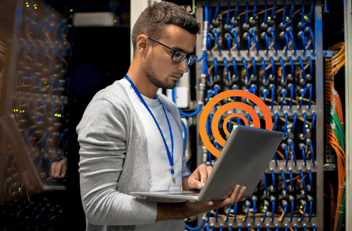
(178, 56)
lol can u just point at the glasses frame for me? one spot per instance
(188, 57)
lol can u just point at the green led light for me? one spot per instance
(45, 82)
(307, 126)
(71, 10)
(35, 7)
(16, 110)
(269, 17)
(19, 189)
(250, 17)
(115, 21)
(286, 17)
(327, 161)
(305, 17)
(47, 86)
(233, 18)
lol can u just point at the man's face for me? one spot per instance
(160, 70)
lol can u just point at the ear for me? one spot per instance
(141, 43)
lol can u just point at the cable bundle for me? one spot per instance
(335, 127)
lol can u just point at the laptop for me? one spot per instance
(243, 160)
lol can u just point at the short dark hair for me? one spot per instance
(154, 19)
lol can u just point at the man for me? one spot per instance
(131, 137)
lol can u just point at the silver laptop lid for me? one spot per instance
(243, 160)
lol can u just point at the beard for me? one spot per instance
(151, 76)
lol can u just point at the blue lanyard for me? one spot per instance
(169, 155)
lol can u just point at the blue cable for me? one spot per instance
(239, 227)
(314, 228)
(293, 152)
(304, 155)
(244, 220)
(304, 212)
(40, 162)
(46, 143)
(292, 208)
(265, 95)
(229, 125)
(184, 139)
(215, 67)
(258, 227)
(276, 119)
(254, 208)
(302, 68)
(304, 124)
(227, 71)
(63, 111)
(234, 69)
(217, 211)
(266, 211)
(265, 187)
(291, 94)
(193, 113)
(285, 210)
(273, 210)
(255, 39)
(272, 67)
(302, 18)
(248, 42)
(236, 40)
(207, 12)
(272, 96)
(254, 9)
(216, 11)
(313, 122)
(311, 12)
(254, 70)
(246, 20)
(276, 228)
(266, 42)
(236, 10)
(303, 182)
(273, 10)
(310, 209)
(228, 213)
(267, 227)
(266, 13)
(312, 151)
(228, 14)
(310, 66)
(228, 42)
(310, 95)
(285, 126)
(246, 67)
(249, 227)
(284, 179)
(292, 7)
(305, 227)
(275, 158)
(312, 38)
(304, 42)
(235, 213)
(273, 37)
(48, 167)
(286, 155)
(202, 57)
(221, 226)
(310, 178)
(286, 40)
(217, 40)
(207, 227)
(286, 228)
(292, 68)
(283, 13)
(249, 119)
(292, 39)
(283, 100)
(273, 178)
(302, 97)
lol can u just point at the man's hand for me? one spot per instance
(197, 179)
(58, 169)
(170, 211)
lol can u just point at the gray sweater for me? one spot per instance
(114, 161)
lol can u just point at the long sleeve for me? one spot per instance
(102, 135)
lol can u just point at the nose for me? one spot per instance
(184, 66)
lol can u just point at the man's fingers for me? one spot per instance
(203, 173)
(63, 170)
(240, 193)
(52, 169)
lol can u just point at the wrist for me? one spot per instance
(170, 211)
